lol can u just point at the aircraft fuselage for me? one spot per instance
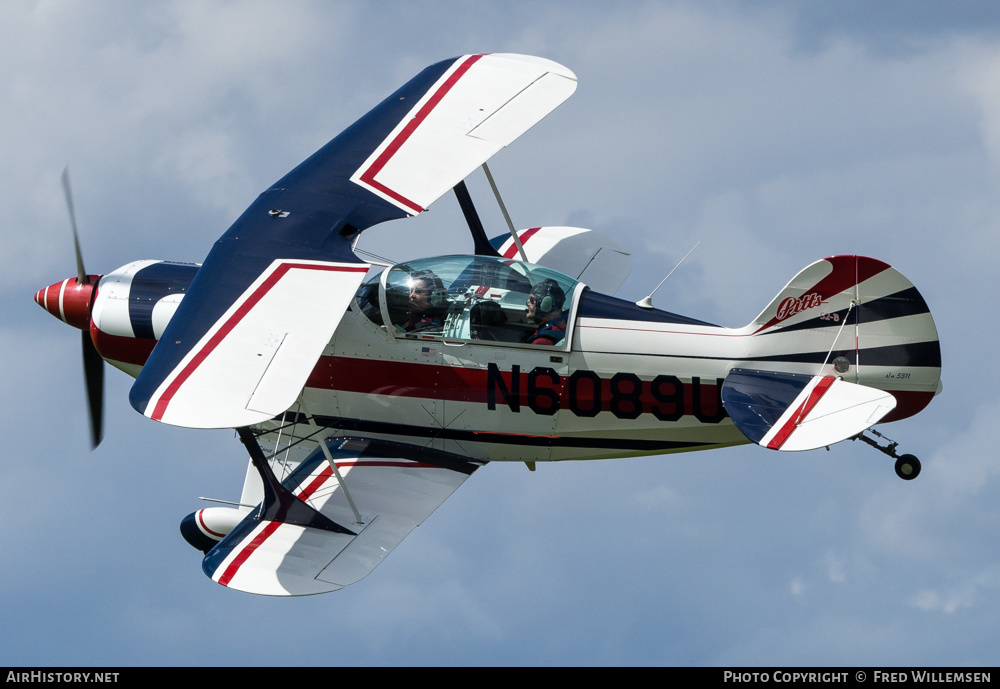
(625, 381)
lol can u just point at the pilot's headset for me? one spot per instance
(548, 295)
(438, 291)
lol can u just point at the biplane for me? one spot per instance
(366, 394)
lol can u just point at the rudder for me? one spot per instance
(857, 318)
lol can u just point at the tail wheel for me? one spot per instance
(907, 467)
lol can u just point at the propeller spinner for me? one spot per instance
(70, 301)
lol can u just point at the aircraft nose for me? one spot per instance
(69, 301)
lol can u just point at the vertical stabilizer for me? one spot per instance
(856, 318)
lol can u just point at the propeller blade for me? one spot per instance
(81, 274)
(93, 372)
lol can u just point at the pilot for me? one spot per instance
(545, 308)
(428, 303)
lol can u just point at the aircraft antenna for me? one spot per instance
(647, 302)
(506, 216)
(227, 502)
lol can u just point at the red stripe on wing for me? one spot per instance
(524, 237)
(161, 404)
(368, 176)
(807, 406)
(244, 554)
(314, 485)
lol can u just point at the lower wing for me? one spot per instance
(370, 498)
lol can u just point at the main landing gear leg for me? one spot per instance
(907, 466)
(280, 504)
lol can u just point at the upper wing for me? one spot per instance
(791, 411)
(273, 289)
(394, 488)
(477, 106)
(599, 261)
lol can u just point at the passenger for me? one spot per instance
(428, 303)
(488, 322)
(545, 308)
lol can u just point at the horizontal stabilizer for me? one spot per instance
(394, 488)
(792, 412)
(597, 260)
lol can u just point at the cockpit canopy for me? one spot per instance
(470, 298)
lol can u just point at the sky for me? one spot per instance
(773, 133)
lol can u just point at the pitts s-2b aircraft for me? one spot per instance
(365, 397)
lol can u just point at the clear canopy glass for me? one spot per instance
(471, 298)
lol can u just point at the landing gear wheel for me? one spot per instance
(907, 467)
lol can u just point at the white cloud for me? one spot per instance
(834, 568)
(964, 594)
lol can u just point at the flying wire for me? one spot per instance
(798, 418)
(380, 260)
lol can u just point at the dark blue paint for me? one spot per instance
(907, 302)
(597, 305)
(149, 285)
(755, 400)
(321, 202)
(195, 536)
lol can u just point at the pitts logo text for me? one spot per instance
(793, 305)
